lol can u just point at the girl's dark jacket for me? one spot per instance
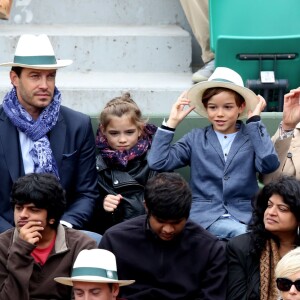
(129, 183)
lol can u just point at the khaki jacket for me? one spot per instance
(288, 151)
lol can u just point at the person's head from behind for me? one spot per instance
(122, 123)
(223, 107)
(168, 200)
(287, 273)
(277, 209)
(38, 197)
(94, 276)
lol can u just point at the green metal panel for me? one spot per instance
(256, 27)
(229, 48)
(264, 18)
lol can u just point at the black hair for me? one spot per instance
(168, 197)
(17, 70)
(288, 188)
(44, 191)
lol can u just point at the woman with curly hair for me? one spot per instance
(273, 232)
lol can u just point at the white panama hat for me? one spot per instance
(94, 265)
(36, 52)
(225, 78)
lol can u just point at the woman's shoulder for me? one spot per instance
(241, 242)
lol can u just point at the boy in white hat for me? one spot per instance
(225, 157)
(94, 276)
(39, 135)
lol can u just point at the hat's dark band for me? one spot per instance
(223, 80)
(35, 60)
(85, 271)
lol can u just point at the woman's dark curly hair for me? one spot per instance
(288, 188)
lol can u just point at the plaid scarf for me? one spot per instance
(268, 261)
(120, 159)
(41, 153)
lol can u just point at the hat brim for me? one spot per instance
(195, 94)
(70, 280)
(61, 63)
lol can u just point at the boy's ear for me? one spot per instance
(242, 107)
(51, 221)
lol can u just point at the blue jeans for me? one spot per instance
(226, 228)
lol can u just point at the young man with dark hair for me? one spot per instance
(39, 248)
(169, 256)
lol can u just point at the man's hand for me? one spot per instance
(111, 202)
(30, 232)
(291, 109)
(178, 111)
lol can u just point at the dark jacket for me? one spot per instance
(73, 146)
(243, 269)
(129, 183)
(21, 278)
(192, 266)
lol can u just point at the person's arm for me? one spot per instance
(16, 266)
(237, 288)
(266, 159)
(81, 207)
(162, 156)
(214, 283)
(291, 110)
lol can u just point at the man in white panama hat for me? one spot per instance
(38, 134)
(224, 157)
(94, 276)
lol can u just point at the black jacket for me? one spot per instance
(192, 266)
(129, 183)
(243, 270)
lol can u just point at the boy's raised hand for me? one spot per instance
(291, 109)
(179, 110)
(259, 107)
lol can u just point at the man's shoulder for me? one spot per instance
(6, 239)
(69, 113)
(241, 242)
(75, 236)
(6, 235)
(194, 229)
(134, 223)
(128, 227)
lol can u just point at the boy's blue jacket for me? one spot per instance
(218, 186)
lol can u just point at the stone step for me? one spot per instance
(107, 12)
(88, 92)
(120, 48)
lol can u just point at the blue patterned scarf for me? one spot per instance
(41, 153)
